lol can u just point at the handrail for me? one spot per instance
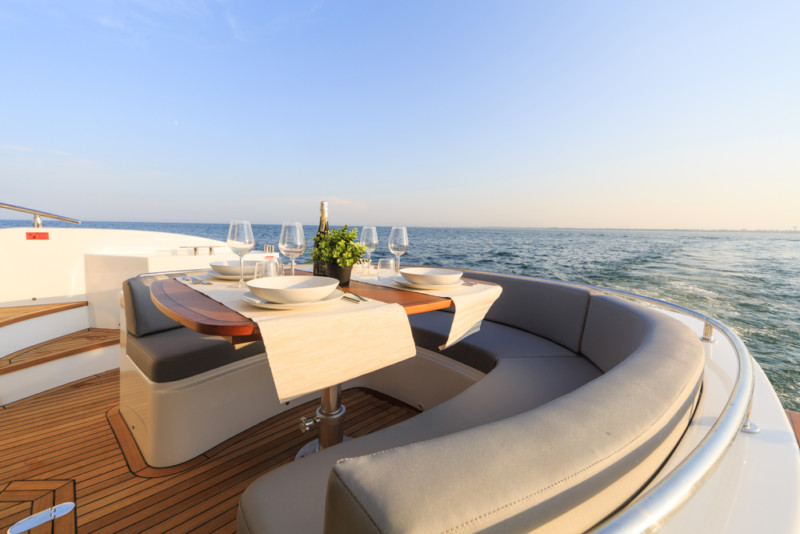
(650, 510)
(37, 215)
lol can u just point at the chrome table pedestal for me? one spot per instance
(329, 418)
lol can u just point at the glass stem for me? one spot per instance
(241, 271)
(292, 266)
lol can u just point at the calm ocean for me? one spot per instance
(748, 280)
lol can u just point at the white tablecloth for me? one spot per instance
(471, 303)
(310, 349)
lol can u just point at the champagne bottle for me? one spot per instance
(320, 269)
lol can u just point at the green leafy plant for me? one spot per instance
(338, 246)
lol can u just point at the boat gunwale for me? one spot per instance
(652, 508)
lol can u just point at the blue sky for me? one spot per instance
(451, 113)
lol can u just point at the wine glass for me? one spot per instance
(293, 241)
(369, 238)
(241, 241)
(398, 244)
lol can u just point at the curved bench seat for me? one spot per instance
(280, 501)
(485, 348)
(553, 443)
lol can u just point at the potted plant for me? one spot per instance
(336, 251)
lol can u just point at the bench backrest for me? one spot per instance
(142, 317)
(563, 466)
(552, 310)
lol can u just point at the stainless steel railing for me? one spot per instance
(37, 215)
(650, 510)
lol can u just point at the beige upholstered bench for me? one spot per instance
(182, 392)
(585, 397)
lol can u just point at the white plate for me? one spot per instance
(261, 303)
(399, 280)
(231, 267)
(428, 276)
(293, 289)
(215, 274)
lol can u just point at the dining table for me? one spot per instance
(195, 310)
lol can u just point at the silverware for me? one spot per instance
(468, 283)
(359, 297)
(195, 280)
(352, 299)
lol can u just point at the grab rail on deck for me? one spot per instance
(37, 215)
(650, 510)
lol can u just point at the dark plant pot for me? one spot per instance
(340, 273)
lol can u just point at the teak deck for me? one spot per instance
(61, 445)
(15, 314)
(61, 347)
(794, 421)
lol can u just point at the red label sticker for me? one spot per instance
(37, 235)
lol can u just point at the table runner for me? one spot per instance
(313, 348)
(471, 303)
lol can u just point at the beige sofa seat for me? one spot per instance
(513, 387)
(540, 443)
(483, 349)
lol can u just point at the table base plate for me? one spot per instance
(311, 447)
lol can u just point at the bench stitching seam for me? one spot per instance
(558, 482)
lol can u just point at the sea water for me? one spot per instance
(748, 280)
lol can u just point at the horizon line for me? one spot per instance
(587, 228)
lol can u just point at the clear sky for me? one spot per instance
(622, 114)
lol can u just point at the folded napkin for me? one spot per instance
(471, 303)
(312, 348)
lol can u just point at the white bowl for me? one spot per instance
(293, 289)
(232, 267)
(431, 276)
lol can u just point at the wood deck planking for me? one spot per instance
(15, 314)
(69, 345)
(67, 434)
(794, 421)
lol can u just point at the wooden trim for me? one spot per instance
(16, 314)
(133, 455)
(794, 421)
(54, 349)
(33, 496)
(201, 313)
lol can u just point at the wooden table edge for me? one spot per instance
(238, 328)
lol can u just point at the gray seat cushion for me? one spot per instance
(180, 353)
(483, 349)
(614, 329)
(562, 467)
(142, 317)
(163, 349)
(292, 498)
(549, 309)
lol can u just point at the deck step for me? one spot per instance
(15, 314)
(68, 345)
